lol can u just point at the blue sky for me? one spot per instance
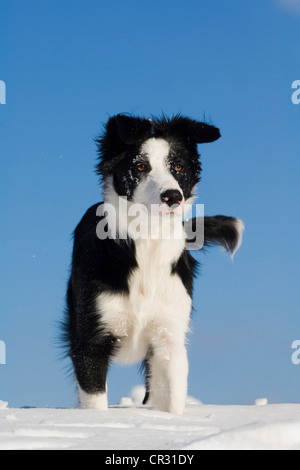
(68, 65)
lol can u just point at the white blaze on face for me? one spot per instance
(160, 178)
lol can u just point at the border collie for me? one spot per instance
(129, 297)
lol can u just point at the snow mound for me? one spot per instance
(261, 401)
(137, 394)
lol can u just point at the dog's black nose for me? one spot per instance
(171, 197)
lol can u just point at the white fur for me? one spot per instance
(160, 178)
(155, 313)
(95, 401)
(240, 227)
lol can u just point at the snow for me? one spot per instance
(132, 426)
(261, 401)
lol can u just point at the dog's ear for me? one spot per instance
(120, 132)
(203, 133)
(129, 129)
(194, 132)
(199, 132)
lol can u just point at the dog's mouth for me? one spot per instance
(174, 210)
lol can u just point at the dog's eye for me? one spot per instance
(141, 167)
(178, 167)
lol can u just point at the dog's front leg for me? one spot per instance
(91, 364)
(169, 373)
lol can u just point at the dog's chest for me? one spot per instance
(157, 301)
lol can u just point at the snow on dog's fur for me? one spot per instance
(129, 298)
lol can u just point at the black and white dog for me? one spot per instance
(129, 297)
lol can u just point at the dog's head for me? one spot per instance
(153, 161)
